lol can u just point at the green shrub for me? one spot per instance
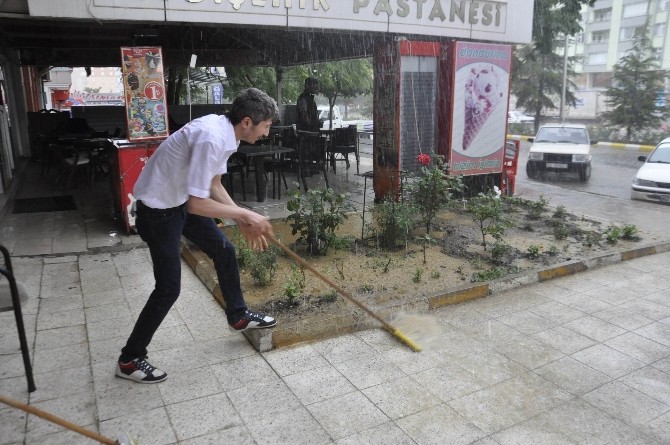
(559, 213)
(394, 223)
(537, 208)
(486, 210)
(498, 252)
(534, 251)
(560, 231)
(316, 216)
(629, 232)
(295, 283)
(613, 234)
(487, 275)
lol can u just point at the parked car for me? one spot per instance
(517, 117)
(652, 180)
(560, 148)
(325, 119)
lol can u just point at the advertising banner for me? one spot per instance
(480, 98)
(144, 93)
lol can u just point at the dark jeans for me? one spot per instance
(162, 231)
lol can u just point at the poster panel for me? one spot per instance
(144, 93)
(480, 99)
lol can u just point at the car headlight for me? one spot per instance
(643, 182)
(580, 158)
(535, 156)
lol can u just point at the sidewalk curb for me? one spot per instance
(620, 145)
(355, 320)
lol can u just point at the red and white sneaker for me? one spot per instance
(252, 320)
(140, 371)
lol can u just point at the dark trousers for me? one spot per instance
(162, 230)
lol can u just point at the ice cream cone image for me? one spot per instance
(482, 93)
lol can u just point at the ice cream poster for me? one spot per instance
(144, 92)
(480, 98)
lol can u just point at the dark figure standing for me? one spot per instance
(308, 115)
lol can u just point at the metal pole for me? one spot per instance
(565, 77)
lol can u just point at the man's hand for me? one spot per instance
(254, 227)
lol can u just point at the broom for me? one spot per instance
(391, 329)
(122, 438)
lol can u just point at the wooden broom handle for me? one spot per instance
(57, 420)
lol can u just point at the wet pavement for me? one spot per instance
(583, 359)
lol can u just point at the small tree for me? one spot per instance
(431, 191)
(636, 82)
(486, 209)
(346, 78)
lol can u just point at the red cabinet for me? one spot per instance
(128, 161)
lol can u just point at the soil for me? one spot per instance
(456, 257)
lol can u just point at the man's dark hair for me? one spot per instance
(255, 104)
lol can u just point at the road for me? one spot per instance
(605, 196)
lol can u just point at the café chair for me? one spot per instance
(12, 293)
(236, 164)
(344, 142)
(72, 163)
(311, 156)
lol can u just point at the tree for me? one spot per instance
(346, 78)
(265, 79)
(538, 81)
(636, 82)
(536, 65)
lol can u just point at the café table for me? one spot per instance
(258, 153)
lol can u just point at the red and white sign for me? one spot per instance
(480, 99)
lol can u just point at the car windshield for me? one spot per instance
(324, 114)
(562, 135)
(660, 155)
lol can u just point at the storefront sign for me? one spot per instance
(144, 88)
(497, 21)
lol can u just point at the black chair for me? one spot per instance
(236, 164)
(10, 299)
(73, 163)
(311, 156)
(344, 142)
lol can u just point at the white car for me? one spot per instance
(324, 117)
(517, 117)
(652, 180)
(560, 148)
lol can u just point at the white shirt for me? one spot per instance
(186, 162)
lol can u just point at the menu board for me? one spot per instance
(144, 92)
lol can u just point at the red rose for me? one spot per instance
(423, 159)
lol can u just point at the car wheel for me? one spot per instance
(531, 171)
(585, 173)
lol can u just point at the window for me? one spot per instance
(630, 33)
(579, 37)
(597, 59)
(663, 5)
(659, 29)
(601, 15)
(635, 9)
(600, 37)
(657, 53)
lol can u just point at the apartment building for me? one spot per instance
(608, 31)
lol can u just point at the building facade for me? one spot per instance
(609, 28)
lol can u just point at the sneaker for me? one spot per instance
(253, 320)
(140, 371)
